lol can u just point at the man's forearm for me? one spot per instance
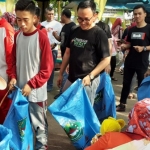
(65, 61)
(101, 66)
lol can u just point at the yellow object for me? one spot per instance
(101, 4)
(112, 125)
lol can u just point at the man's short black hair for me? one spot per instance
(87, 4)
(25, 5)
(67, 13)
(140, 6)
(48, 9)
(37, 11)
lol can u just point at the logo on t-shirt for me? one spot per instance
(138, 35)
(79, 42)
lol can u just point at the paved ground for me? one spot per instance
(57, 137)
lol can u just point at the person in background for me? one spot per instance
(137, 60)
(113, 59)
(52, 25)
(105, 27)
(6, 45)
(11, 18)
(116, 29)
(87, 51)
(37, 21)
(63, 38)
(32, 67)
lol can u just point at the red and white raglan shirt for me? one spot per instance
(33, 63)
(6, 44)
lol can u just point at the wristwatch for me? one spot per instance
(144, 49)
(91, 77)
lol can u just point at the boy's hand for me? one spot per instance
(26, 90)
(11, 84)
(138, 48)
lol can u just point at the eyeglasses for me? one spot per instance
(82, 20)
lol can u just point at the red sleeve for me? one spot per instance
(9, 41)
(46, 64)
(13, 69)
(44, 31)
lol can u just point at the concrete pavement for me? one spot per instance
(58, 139)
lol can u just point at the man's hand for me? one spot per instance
(86, 81)
(26, 90)
(107, 69)
(138, 48)
(55, 34)
(147, 73)
(11, 84)
(59, 81)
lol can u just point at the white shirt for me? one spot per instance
(50, 27)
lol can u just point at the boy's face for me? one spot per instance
(25, 21)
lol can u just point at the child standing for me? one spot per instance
(32, 68)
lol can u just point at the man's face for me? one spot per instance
(49, 15)
(25, 21)
(139, 15)
(62, 18)
(86, 18)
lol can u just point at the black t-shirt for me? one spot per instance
(64, 34)
(138, 37)
(87, 48)
(104, 27)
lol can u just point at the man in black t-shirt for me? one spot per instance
(87, 51)
(63, 38)
(138, 41)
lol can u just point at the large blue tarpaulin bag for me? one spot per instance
(18, 121)
(104, 103)
(144, 89)
(5, 137)
(74, 112)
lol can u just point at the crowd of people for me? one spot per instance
(29, 50)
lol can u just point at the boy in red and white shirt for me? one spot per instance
(6, 44)
(33, 64)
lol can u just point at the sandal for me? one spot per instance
(114, 79)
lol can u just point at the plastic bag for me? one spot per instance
(74, 112)
(18, 121)
(5, 137)
(104, 103)
(144, 89)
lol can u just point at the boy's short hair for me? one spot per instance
(67, 13)
(37, 11)
(25, 5)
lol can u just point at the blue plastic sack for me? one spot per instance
(104, 103)
(18, 121)
(5, 137)
(144, 89)
(74, 112)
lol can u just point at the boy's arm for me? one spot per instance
(8, 42)
(46, 64)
